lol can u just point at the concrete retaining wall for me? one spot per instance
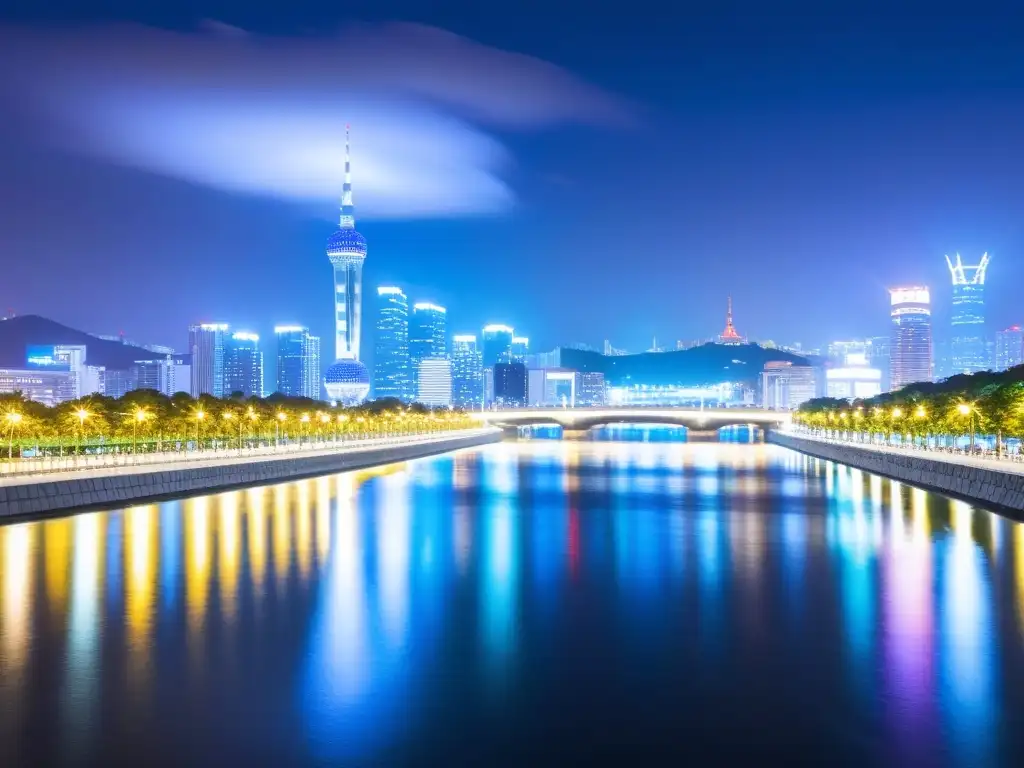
(98, 489)
(989, 487)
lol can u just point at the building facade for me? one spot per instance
(510, 385)
(243, 365)
(497, 344)
(910, 341)
(49, 387)
(206, 345)
(347, 381)
(853, 379)
(428, 335)
(967, 350)
(520, 349)
(785, 386)
(298, 362)
(392, 376)
(467, 372)
(435, 382)
(168, 375)
(1009, 348)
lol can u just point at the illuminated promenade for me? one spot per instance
(994, 482)
(179, 475)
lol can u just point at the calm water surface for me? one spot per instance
(527, 603)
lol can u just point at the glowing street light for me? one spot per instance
(13, 420)
(965, 409)
(920, 413)
(897, 413)
(140, 416)
(281, 418)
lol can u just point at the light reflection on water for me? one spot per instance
(456, 608)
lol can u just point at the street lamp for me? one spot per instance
(81, 414)
(277, 428)
(305, 425)
(200, 415)
(966, 410)
(13, 419)
(140, 416)
(253, 418)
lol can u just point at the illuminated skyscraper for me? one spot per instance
(910, 345)
(206, 344)
(428, 335)
(497, 344)
(967, 342)
(347, 381)
(243, 365)
(1009, 348)
(520, 349)
(434, 379)
(467, 373)
(392, 376)
(298, 362)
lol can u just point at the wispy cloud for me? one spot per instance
(240, 112)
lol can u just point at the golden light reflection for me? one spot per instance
(229, 550)
(323, 519)
(304, 529)
(17, 594)
(57, 559)
(197, 561)
(141, 533)
(279, 541)
(256, 530)
(922, 522)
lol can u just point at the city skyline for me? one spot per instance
(759, 207)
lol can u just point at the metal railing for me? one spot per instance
(186, 452)
(1009, 455)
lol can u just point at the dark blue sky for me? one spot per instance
(799, 160)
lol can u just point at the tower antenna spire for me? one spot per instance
(348, 217)
(729, 334)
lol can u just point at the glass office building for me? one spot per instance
(910, 342)
(392, 376)
(467, 372)
(243, 365)
(967, 349)
(298, 362)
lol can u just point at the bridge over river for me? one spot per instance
(581, 419)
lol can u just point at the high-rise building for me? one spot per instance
(47, 386)
(854, 379)
(520, 349)
(392, 376)
(1009, 348)
(168, 374)
(428, 334)
(785, 386)
(510, 385)
(243, 365)
(592, 390)
(467, 372)
(206, 344)
(347, 381)
(910, 342)
(435, 382)
(298, 362)
(497, 344)
(967, 342)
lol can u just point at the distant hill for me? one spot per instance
(17, 333)
(706, 364)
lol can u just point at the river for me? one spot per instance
(541, 602)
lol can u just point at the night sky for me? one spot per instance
(578, 173)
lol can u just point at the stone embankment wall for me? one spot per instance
(989, 487)
(97, 488)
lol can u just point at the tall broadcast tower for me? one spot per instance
(967, 345)
(347, 381)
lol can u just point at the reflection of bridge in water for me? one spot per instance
(582, 419)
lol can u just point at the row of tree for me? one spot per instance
(144, 417)
(983, 403)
